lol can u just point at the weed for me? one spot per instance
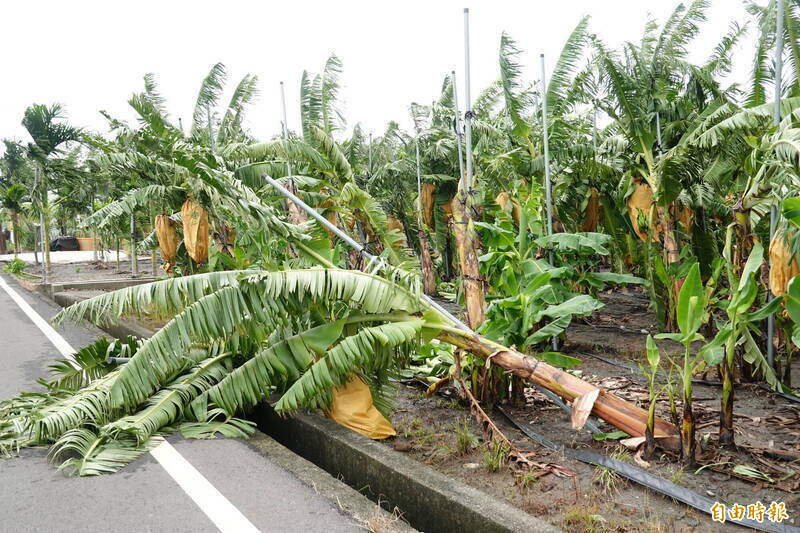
(495, 456)
(583, 519)
(607, 478)
(527, 480)
(677, 476)
(466, 440)
(16, 266)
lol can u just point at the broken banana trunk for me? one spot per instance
(611, 408)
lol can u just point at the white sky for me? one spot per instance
(91, 55)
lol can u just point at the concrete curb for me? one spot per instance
(427, 499)
(119, 329)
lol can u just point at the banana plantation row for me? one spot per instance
(663, 180)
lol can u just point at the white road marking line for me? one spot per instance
(212, 502)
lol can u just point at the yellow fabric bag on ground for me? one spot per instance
(352, 408)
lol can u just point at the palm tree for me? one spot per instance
(11, 200)
(49, 134)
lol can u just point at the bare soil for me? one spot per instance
(434, 430)
(91, 271)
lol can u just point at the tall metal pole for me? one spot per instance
(419, 172)
(285, 129)
(776, 119)
(468, 105)
(545, 141)
(547, 184)
(458, 126)
(369, 156)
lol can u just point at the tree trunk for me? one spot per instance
(15, 229)
(670, 242)
(467, 243)
(426, 263)
(296, 215)
(613, 409)
(46, 243)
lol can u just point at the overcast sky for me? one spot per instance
(91, 55)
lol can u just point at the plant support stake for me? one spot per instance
(468, 105)
(285, 129)
(547, 185)
(459, 134)
(773, 210)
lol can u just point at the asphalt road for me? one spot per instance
(227, 484)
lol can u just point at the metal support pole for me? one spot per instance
(459, 135)
(369, 156)
(547, 184)
(776, 119)
(419, 172)
(545, 142)
(356, 246)
(468, 105)
(285, 128)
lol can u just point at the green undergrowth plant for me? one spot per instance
(16, 266)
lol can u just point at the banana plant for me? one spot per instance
(653, 361)
(690, 314)
(736, 331)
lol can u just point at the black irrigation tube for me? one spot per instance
(786, 396)
(644, 478)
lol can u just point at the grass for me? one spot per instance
(677, 476)
(583, 519)
(607, 478)
(420, 434)
(495, 456)
(466, 439)
(527, 480)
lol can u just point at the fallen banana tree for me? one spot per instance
(611, 408)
